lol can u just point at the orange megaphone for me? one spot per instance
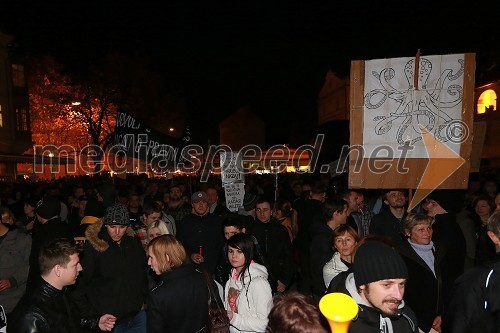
(339, 309)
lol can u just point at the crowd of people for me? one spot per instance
(90, 254)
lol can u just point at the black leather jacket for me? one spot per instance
(48, 310)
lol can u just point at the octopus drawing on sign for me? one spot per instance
(418, 106)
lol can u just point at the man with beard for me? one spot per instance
(377, 284)
(176, 205)
(389, 222)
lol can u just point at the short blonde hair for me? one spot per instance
(167, 245)
(414, 219)
(162, 226)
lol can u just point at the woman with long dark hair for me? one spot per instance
(247, 295)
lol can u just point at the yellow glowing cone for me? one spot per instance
(339, 309)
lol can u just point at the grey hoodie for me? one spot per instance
(387, 324)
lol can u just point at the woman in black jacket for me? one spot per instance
(424, 289)
(179, 302)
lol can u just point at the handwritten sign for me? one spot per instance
(234, 195)
(231, 167)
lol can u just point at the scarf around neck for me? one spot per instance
(426, 253)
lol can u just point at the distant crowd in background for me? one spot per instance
(95, 253)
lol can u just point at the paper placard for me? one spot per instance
(234, 195)
(230, 163)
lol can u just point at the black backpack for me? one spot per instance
(338, 282)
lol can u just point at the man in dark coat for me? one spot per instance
(274, 244)
(215, 207)
(389, 222)
(335, 214)
(475, 302)
(201, 233)
(47, 309)
(115, 272)
(48, 228)
(442, 206)
(308, 212)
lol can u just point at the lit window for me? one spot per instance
(487, 101)
(22, 119)
(1, 117)
(18, 75)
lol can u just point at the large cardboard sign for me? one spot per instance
(396, 106)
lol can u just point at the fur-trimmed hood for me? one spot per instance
(90, 220)
(95, 233)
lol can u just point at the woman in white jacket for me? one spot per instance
(247, 295)
(344, 240)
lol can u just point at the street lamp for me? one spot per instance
(52, 176)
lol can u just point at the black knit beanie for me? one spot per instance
(375, 261)
(450, 200)
(48, 207)
(249, 201)
(94, 208)
(117, 214)
(107, 193)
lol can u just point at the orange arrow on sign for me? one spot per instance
(443, 162)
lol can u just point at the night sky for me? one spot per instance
(271, 56)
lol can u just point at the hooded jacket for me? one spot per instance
(114, 277)
(370, 320)
(250, 300)
(333, 268)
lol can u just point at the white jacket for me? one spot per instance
(254, 300)
(333, 268)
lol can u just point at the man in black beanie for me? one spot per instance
(50, 227)
(377, 284)
(115, 272)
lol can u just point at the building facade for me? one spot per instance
(15, 132)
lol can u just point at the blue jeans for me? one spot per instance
(134, 325)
